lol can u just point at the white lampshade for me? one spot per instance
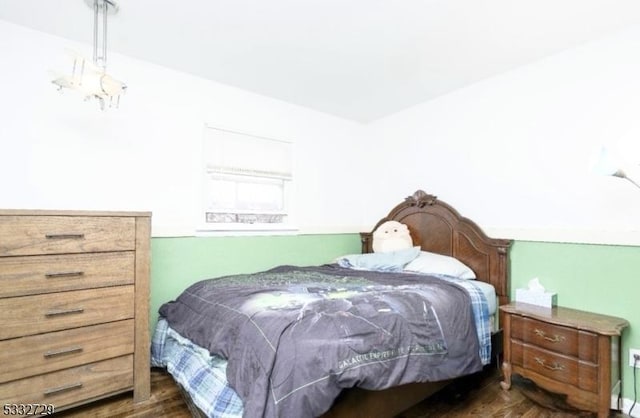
(603, 163)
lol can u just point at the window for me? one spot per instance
(247, 181)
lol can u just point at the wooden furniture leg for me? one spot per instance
(506, 370)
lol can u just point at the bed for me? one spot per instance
(325, 368)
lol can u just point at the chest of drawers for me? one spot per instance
(565, 351)
(74, 321)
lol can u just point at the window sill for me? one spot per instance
(244, 230)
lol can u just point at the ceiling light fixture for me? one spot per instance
(90, 78)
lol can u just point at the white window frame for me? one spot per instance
(234, 167)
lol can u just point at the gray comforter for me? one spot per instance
(295, 337)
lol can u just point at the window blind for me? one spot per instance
(228, 152)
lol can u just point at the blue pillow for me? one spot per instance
(389, 261)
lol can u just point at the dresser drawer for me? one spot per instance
(555, 366)
(29, 315)
(70, 386)
(44, 353)
(33, 235)
(569, 341)
(28, 275)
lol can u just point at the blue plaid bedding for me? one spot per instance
(203, 375)
(481, 313)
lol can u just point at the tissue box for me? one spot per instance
(544, 299)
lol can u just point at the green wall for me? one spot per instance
(177, 263)
(598, 278)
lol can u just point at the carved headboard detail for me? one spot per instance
(437, 227)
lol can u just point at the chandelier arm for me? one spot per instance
(105, 6)
(95, 31)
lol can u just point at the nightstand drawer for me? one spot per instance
(69, 386)
(555, 366)
(568, 341)
(29, 315)
(44, 353)
(33, 235)
(29, 275)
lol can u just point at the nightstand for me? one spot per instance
(565, 351)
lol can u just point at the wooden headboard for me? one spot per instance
(437, 227)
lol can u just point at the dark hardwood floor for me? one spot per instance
(481, 397)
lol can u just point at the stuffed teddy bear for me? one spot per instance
(391, 236)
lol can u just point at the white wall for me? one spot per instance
(59, 152)
(513, 151)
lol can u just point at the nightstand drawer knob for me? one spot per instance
(554, 367)
(554, 339)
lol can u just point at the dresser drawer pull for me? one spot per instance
(554, 339)
(554, 367)
(66, 388)
(64, 274)
(64, 351)
(64, 236)
(64, 312)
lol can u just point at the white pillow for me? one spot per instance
(432, 263)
